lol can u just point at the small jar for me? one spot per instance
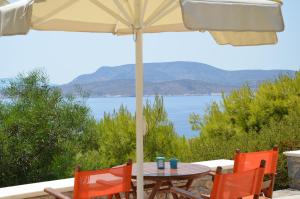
(173, 163)
(160, 161)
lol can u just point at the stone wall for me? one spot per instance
(294, 172)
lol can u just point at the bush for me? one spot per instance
(116, 138)
(44, 134)
(251, 121)
(39, 131)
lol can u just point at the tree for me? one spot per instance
(251, 121)
(161, 138)
(39, 131)
(116, 138)
(246, 110)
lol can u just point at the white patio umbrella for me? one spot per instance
(234, 22)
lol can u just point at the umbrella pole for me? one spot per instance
(139, 86)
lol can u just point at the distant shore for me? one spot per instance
(120, 96)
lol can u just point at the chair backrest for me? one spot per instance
(248, 161)
(105, 182)
(238, 185)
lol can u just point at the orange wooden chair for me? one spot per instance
(247, 161)
(239, 185)
(106, 182)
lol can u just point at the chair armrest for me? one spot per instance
(205, 196)
(55, 193)
(184, 193)
(212, 174)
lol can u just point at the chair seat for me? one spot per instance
(251, 197)
(206, 196)
(109, 179)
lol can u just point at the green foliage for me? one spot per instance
(44, 134)
(116, 138)
(39, 131)
(160, 139)
(251, 121)
(245, 110)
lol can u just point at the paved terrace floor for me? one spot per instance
(287, 194)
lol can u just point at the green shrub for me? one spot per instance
(116, 138)
(252, 121)
(44, 134)
(39, 131)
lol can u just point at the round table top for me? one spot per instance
(183, 171)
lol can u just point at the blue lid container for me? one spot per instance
(160, 161)
(173, 163)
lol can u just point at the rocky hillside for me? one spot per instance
(169, 78)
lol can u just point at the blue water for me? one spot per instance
(178, 107)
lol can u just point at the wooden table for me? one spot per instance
(164, 177)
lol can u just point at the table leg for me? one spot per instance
(188, 184)
(173, 194)
(133, 190)
(155, 189)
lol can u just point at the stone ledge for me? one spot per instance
(293, 161)
(292, 153)
(36, 189)
(213, 164)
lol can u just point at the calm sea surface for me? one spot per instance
(178, 107)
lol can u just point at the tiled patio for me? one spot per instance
(287, 194)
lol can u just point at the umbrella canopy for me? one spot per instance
(235, 22)
(15, 18)
(254, 21)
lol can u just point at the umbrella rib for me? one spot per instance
(138, 12)
(55, 11)
(144, 9)
(129, 8)
(122, 9)
(162, 14)
(164, 5)
(111, 12)
(116, 28)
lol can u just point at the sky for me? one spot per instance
(65, 55)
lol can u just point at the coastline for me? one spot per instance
(133, 96)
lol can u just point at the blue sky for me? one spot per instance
(66, 55)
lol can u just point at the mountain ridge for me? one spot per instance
(169, 78)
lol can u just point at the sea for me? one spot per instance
(178, 108)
